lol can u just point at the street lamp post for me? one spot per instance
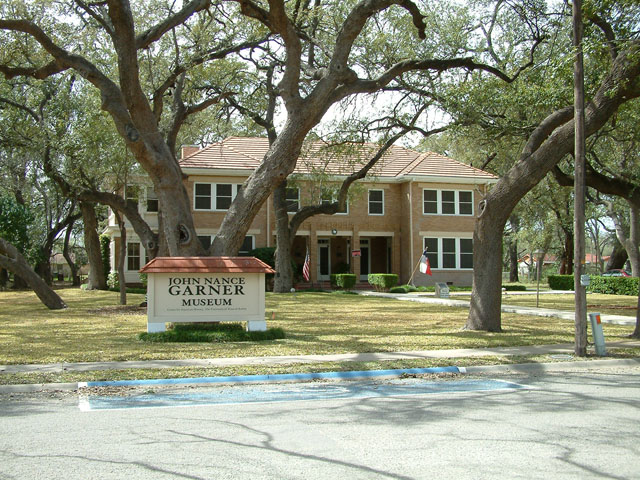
(539, 259)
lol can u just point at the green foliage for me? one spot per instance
(14, 223)
(614, 285)
(514, 287)
(112, 281)
(399, 289)
(211, 333)
(561, 282)
(143, 279)
(105, 252)
(382, 282)
(266, 254)
(345, 281)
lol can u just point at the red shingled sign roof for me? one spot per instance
(206, 265)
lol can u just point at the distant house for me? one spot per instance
(411, 201)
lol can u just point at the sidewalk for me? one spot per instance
(565, 349)
(541, 312)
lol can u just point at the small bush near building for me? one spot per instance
(614, 285)
(382, 282)
(344, 281)
(561, 282)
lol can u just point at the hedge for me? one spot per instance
(514, 287)
(614, 285)
(598, 284)
(382, 282)
(345, 281)
(561, 282)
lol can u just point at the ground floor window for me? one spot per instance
(451, 253)
(133, 256)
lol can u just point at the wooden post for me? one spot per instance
(579, 185)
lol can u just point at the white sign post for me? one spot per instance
(205, 289)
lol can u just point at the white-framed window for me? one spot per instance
(449, 253)
(214, 196)
(447, 202)
(133, 256)
(293, 199)
(247, 246)
(132, 193)
(152, 200)
(376, 202)
(328, 198)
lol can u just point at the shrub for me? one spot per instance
(561, 282)
(345, 281)
(614, 285)
(382, 282)
(514, 287)
(266, 254)
(399, 289)
(211, 333)
(112, 281)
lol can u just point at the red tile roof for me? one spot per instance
(246, 153)
(206, 265)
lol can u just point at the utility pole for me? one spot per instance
(579, 185)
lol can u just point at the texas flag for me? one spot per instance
(425, 267)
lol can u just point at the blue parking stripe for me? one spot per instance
(285, 377)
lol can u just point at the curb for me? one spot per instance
(348, 375)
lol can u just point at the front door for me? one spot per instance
(365, 259)
(324, 259)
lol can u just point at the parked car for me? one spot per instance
(616, 272)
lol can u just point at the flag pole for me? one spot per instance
(416, 268)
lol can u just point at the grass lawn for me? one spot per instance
(605, 304)
(95, 328)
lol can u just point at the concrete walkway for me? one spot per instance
(541, 312)
(562, 349)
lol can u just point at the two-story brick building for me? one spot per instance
(410, 201)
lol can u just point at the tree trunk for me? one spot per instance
(513, 261)
(566, 265)
(547, 145)
(636, 331)
(75, 278)
(43, 267)
(283, 282)
(97, 280)
(278, 163)
(12, 260)
(486, 293)
(618, 257)
(122, 254)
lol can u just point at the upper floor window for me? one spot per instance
(152, 200)
(447, 202)
(293, 200)
(132, 192)
(376, 202)
(328, 198)
(214, 196)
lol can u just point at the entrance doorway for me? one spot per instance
(324, 259)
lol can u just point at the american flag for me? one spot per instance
(306, 266)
